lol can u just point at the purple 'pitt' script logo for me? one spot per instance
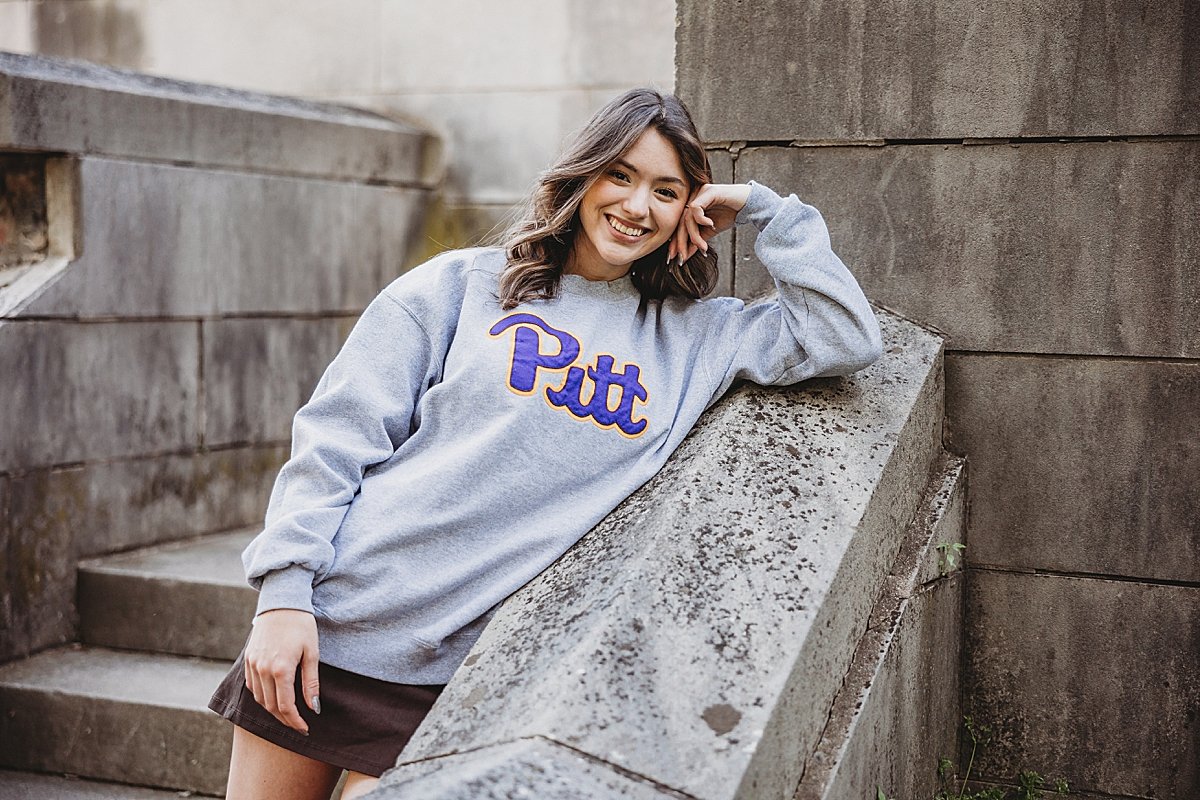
(587, 389)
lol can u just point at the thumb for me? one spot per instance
(309, 681)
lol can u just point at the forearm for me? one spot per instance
(822, 304)
(359, 414)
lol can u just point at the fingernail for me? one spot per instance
(304, 732)
(316, 704)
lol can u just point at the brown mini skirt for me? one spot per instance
(363, 725)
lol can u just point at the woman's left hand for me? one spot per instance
(712, 209)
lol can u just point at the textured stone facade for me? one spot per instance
(1023, 177)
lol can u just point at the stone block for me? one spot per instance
(133, 717)
(1080, 464)
(198, 242)
(507, 43)
(698, 635)
(79, 108)
(78, 391)
(496, 141)
(52, 518)
(16, 26)
(1033, 248)
(623, 43)
(258, 372)
(529, 45)
(186, 598)
(906, 69)
(302, 48)
(1087, 679)
(532, 767)
(37, 582)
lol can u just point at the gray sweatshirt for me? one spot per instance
(453, 450)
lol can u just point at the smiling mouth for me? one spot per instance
(623, 228)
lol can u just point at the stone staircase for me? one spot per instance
(159, 627)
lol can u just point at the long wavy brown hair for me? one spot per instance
(538, 244)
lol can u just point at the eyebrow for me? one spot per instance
(660, 179)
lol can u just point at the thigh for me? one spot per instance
(260, 770)
(357, 784)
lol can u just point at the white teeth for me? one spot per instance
(627, 231)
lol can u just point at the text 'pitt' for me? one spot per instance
(594, 390)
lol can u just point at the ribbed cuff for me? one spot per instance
(760, 207)
(290, 587)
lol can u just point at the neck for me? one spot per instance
(591, 266)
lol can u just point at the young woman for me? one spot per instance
(489, 408)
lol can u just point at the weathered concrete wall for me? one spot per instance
(501, 82)
(208, 252)
(1023, 177)
(906, 69)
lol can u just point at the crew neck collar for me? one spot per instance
(575, 283)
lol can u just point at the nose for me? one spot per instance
(637, 202)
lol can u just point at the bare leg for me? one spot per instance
(260, 770)
(357, 784)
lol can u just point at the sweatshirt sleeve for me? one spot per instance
(359, 414)
(818, 324)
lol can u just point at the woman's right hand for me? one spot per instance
(281, 639)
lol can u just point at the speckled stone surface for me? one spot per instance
(697, 636)
(534, 768)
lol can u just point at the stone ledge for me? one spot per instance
(898, 710)
(697, 636)
(50, 104)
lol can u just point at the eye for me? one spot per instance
(668, 193)
(616, 173)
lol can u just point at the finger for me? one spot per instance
(681, 241)
(253, 684)
(694, 236)
(689, 250)
(285, 699)
(309, 680)
(704, 197)
(702, 218)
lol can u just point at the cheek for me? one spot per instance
(671, 219)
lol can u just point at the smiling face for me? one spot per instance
(631, 210)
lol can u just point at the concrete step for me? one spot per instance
(39, 786)
(113, 715)
(187, 598)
